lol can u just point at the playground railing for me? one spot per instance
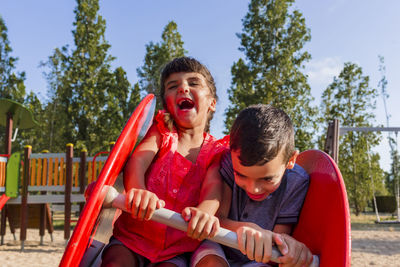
(48, 174)
(48, 180)
(94, 168)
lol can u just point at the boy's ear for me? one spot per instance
(292, 160)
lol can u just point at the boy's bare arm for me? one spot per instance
(141, 159)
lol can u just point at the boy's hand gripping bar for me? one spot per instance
(175, 220)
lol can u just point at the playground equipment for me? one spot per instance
(11, 113)
(46, 179)
(50, 180)
(3, 164)
(326, 231)
(332, 148)
(327, 234)
(324, 222)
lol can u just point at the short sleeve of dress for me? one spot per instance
(226, 169)
(160, 122)
(169, 137)
(219, 147)
(296, 190)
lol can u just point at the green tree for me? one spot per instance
(11, 83)
(393, 177)
(274, 34)
(58, 124)
(37, 136)
(350, 99)
(91, 102)
(157, 55)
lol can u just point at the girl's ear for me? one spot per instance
(292, 160)
(213, 104)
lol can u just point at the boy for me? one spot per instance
(263, 193)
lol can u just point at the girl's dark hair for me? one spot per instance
(260, 132)
(188, 64)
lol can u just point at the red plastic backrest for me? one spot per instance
(136, 125)
(324, 223)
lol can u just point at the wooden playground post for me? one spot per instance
(82, 175)
(111, 144)
(43, 207)
(7, 145)
(9, 127)
(68, 191)
(24, 195)
(49, 222)
(332, 140)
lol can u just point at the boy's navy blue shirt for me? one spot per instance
(281, 207)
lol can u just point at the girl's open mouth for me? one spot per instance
(185, 103)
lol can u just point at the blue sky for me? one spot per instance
(342, 31)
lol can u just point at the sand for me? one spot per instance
(49, 254)
(370, 247)
(376, 247)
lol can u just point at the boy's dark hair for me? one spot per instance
(188, 64)
(260, 132)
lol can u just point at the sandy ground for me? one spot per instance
(49, 254)
(375, 247)
(370, 247)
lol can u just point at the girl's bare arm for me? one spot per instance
(141, 159)
(211, 190)
(202, 222)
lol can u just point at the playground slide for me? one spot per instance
(3, 200)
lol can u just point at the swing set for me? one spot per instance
(332, 148)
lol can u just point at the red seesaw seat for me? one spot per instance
(324, 223)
